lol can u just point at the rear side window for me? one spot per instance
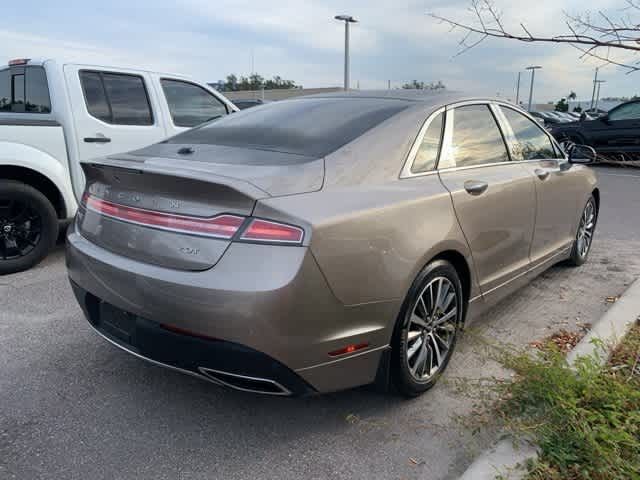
(191, 105)
(476, 138)
(24, 90)
(529, 142)
(116, 98)
(313, 127)
(427, 154)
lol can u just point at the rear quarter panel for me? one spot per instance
(580, 182)
(371, 243)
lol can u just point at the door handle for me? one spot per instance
(99, 139)
(475, 187)
(541, 174)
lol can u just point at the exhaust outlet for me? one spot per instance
(264, 386)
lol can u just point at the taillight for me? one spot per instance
(18, 61)
(221, 226)
(267, 231)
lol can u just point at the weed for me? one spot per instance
(586, 419)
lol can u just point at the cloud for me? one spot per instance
(300, 40)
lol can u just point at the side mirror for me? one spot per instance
(605, 119)
(583, 154)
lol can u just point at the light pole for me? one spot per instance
(593, 94)
(533, 69)
(599, 82)
(518, 89)
(347, 19)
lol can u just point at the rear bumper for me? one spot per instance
(263, 305)
(224, 363)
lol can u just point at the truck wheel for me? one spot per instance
(28, 226)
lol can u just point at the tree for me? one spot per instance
(416, 85)
(562, 105)
(256, 82)
(600, 36)
(232, 83)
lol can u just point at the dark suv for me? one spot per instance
(618, 131)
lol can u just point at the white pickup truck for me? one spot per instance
(53, 115)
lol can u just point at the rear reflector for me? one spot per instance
(182, 331)
(265, 231)
(348, 349)
(221, 226)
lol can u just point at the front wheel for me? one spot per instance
(28, 226)
(584, 236)
(427, 330)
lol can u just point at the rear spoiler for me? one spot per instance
(173, 168)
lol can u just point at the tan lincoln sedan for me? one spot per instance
(321, 243)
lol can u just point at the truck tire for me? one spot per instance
(28, 226)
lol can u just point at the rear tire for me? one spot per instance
(586, 229)
(427, 329)
(28, 226)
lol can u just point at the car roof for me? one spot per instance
(425, 97)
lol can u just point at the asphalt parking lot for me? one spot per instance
(72, 406)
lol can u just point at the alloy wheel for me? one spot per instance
(20, 228)
(586, 228)
(432, 329)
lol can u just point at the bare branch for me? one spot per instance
(589, 36)
(527, 31)
(470, 46)
(606, 59)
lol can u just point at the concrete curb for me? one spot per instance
(505, 459)
(611, 327)
(502, 459)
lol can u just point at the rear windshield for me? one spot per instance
(312, 127)
(24, 90)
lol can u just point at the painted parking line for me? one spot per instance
(619, 175)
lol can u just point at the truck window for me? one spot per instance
(24, 89)
(94, 96)
(5, 91)
(189, 104)
(116, 98)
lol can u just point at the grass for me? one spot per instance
(586, 421)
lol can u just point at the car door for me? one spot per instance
(113, 111)
(493, 197)
(188, 104)
(620, 128)
(556, 196)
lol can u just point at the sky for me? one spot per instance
(300, 40)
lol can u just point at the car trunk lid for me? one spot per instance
(161, 210)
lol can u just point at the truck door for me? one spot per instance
(113, 111)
